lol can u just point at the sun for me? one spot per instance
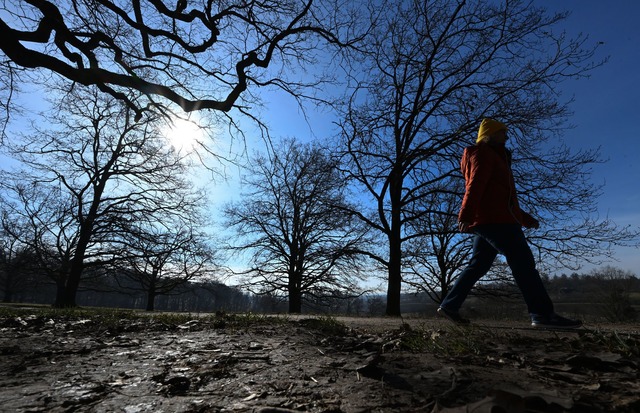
(183, 134)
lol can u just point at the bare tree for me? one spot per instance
(36, 216)
(613, 293)
(197, 55)
(292, 222)
(85, 177)
(428, 74)
(161, 258)
(433, 260)
(16, 262)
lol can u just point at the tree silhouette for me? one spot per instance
(17, 262)
(89, 173)
(161, 258)
(291, 220)
(202, 56)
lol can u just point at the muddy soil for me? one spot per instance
(223, 363)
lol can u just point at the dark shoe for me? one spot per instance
(453, 316)
(554, 321)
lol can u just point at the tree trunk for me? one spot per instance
(61, 294)
(151, 299)
(151, 291)
(295, 295)
(86, 232)
(68, 297)
(394, 284)
(295, 302)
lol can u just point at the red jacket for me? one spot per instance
(490, 196)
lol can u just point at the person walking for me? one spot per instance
(491, 212)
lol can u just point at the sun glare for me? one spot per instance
(184, 134)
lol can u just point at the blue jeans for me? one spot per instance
(508, 240)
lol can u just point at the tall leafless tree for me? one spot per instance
(429, 73)
(161, 257)
(292, 222)
(90, 172)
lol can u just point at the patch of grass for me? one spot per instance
(128, 319)
(113, 318)
(453, 341)
(250, 319)
(171, 319)
(464, 340)
(243, 320)
(415, 341)
(325, 324)
(61, 313)
(626, 344)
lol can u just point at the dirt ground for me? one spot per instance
(243, 363)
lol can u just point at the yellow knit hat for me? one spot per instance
(488, 127)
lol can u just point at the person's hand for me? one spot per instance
(463, 226)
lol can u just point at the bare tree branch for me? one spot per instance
(197, 58)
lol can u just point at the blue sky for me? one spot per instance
(607, 105)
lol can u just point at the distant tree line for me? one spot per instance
(606, 294)
(602, 294)
(613, 292)
(21, 281)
